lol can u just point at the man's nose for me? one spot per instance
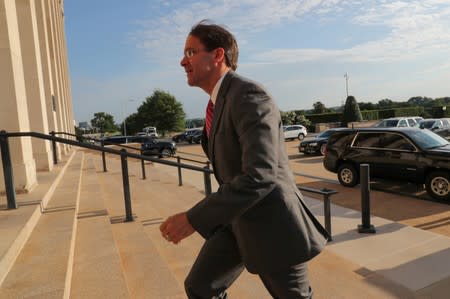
(183, 61)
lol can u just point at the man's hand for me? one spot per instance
(176, 228)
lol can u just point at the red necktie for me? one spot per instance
(209, 116)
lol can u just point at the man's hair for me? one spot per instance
(214, 36)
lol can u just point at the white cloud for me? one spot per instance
(416, 28)
(166, 34)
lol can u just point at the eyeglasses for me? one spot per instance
(190, 52)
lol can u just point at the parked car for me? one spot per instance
(153, 147)
(196, 137)
(440, 126)
(398, 122)
(126, 139)
(410, 154)
(118, 140)
(150, 131)
(294, 131)
(186, 135)
(317, 145)
(151, 134)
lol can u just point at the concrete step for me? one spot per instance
(160, 196)
(179, 258)
(16, 225)
(43, 268)
(146, 273)
(97, 270)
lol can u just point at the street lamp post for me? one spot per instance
(346, 83)
(124, 112)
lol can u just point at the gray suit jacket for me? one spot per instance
(257, 198)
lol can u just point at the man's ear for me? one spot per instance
(219, 54)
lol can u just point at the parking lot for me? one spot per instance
(396, 201)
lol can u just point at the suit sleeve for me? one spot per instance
(256, 121)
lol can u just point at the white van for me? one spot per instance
(150, 131)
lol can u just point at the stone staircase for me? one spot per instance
(68, 238)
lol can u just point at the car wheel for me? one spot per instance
(301, 136)
(348, 175)
(437, 184)
(323, 149)
(165, 153)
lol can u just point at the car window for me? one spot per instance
(437, 124)
(340, 139)
(411, 122)
(427, 139)
(387, 123)
(426, 124)
(364, 139)
(395, 141)
(402, 123)
(445, 122)
(325, 134)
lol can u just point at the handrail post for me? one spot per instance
(126, 185)
(180, 179)
(365, 227)
(102, 142)
(327, 212)
(8, 171)
(55, 154)
(143, 167)
(207, 180)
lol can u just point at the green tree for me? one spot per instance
(163, 111)
(288, 118)
(302, 120)
(319, 108)
(351, 111)
(367, 106)
(133, 123)
(385, 104)
(420, 101)
(104, 122)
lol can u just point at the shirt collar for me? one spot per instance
(216, 89)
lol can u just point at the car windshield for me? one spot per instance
(427, 139)
(325, 134)
(427, 124)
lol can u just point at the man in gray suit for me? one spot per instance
(257, 219)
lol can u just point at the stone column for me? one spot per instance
(41, 16)
(14, 112)
(26, 13)
(53, 51)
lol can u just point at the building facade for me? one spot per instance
(35, 94)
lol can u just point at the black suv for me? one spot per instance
(153, 147)
(188, 136)
(411, 154)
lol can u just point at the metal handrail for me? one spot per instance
(9, 177)
(326, 204)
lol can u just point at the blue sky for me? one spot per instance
(121, 51)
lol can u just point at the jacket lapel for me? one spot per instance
(218, 109)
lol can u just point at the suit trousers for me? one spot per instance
(219, 264)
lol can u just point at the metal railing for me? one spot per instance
(326, 204)
(124, 155)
